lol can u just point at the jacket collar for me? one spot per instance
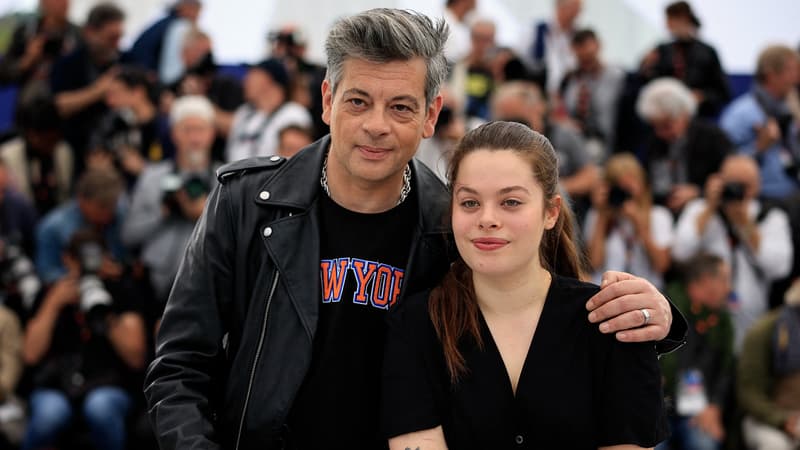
(289, 186)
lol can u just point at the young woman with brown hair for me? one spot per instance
(501, 354)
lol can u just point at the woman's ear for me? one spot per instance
(552, 211)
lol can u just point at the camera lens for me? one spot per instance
(733, 192)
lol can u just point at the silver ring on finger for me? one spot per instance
(645, 315)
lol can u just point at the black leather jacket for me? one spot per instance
(236, 337)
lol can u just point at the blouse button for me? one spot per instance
(519, 440)
(264, 195)
(268, 232)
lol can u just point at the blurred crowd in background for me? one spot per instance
(113, 153)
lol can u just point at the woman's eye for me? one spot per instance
(511, 202)
(469, 204)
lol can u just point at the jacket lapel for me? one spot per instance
(293, 241)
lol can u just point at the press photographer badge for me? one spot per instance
(691, 394)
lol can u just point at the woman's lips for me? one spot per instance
(489, 243)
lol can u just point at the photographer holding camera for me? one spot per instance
(86, 344)
(169, 196)
(623, 229)
(127, 135)
(730, 222)
(36, 44)
(95, 206)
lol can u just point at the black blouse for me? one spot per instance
(578, 389)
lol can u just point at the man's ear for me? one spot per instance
(327, 101)
(432, 115)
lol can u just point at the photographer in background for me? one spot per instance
(769, 378)
(36, 44)
(683, 149)
(697, 379)
(169, 196)
(623, 230)
(39, 160)
(127, 136)
(730, 223)
(288, 44)
(86, 344)
(96, 206)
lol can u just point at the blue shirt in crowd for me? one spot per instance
(55, 231)
(740, 121)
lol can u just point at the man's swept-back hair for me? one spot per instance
(383, 35)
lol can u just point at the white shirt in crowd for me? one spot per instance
(255, 133)
(624, 253)
(773, 258)
(459, 43)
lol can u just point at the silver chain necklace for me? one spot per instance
(323, 181)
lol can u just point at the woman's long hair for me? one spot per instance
(453, 306)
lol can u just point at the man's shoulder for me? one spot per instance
(66, 214)
(247, 166)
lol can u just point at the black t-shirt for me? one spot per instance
(363, 260)
(579, 389)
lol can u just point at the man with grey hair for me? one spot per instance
(169, 196)
(684, 150)
(273, 333)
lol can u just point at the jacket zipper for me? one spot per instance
(255, 361)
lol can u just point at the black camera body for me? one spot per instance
(52, 45)
(617, 196)
(195, 185)
(732, 192)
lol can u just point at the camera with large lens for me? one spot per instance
(617, 196)
(17, 273)
(95, 301)
(732, 192)
(193, 184)
(118, 132)
(52, 44)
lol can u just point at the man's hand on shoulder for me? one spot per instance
(631, 307)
